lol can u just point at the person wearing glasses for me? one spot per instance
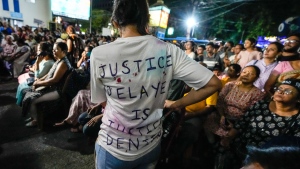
(267, 120)
(289, 66)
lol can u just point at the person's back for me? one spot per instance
(132, 76)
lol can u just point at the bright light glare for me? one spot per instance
(191, 22)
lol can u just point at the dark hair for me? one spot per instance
(21, 41)
(294, 34)
(46, 49)
(192, 43)
(236, 67)
(210, 44)
(252, 40)
(242, 46)
(63, 46)
(259, 49)
(286, 157)
(90, 48)
(216, 46)
(257, 70)
(135, 12)
(278, 45)
(217, 67)
(201, 46)
(231, 43)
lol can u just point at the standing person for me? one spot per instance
(249, 54)
(132, 75)
(75, 48)
(189, 49)
(200, 51)
(267, 64)
(210, 58)
(237, 49)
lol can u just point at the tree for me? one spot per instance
(100, 19)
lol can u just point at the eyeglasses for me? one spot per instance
(290, 41)
(284, 91)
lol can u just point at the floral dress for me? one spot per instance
(80, 103)
(233, 103)
(260, 124)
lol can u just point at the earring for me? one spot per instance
(272, 97)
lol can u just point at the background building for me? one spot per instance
(34, 13)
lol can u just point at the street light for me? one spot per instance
(190, 22)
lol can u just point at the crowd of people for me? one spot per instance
(236, 96)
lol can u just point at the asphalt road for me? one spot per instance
(29, 148)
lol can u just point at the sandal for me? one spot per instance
(31, 124)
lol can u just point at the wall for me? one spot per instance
(39, 10)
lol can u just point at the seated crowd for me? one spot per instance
(259, 100)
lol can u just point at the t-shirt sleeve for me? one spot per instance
(186, 69)
(212, 100)
(98, 94)
(44, 69)
(278, 69)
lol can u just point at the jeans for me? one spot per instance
(104, 160)
(90, 131)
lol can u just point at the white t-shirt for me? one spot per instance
(133, 75)
(192, 55)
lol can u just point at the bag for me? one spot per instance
(30, 81)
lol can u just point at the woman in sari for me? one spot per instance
(50, 86)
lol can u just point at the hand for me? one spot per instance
(238, 83)
(222, 122)
(39, 59)
(94, 120)
(92, 110)
(169, 104)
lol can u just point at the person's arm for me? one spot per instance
(69, 44)
(237, 58)
(208, 109)
(20, 53)
(59, 73)
(83, 57)
(213, 85)
(270, 83)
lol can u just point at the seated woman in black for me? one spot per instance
(50, 86)
(267, 120)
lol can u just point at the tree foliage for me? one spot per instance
(100, 19)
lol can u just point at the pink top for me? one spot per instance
(282, 67)
(246, 56)
(234, 103)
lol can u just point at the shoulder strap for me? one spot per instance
(255, 62)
